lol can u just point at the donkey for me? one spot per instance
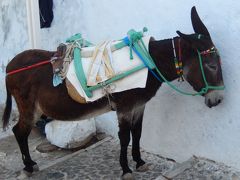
(35, 95)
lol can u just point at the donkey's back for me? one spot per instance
(35, 94)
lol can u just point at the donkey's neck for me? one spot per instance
(163, 56)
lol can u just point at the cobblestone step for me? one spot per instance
(101, 162)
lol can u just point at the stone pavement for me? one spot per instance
(10, 157)
(100, 161)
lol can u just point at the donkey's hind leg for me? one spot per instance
(27, 111)
(21, 132)
(136, 131)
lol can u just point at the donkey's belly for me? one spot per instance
(60, 106)
(94, 113)
(80, 114)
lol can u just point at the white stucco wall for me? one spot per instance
(13, 35)
(174, 126)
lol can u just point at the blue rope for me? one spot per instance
(127, 42)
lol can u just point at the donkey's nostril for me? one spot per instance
(209, 104)
(213, 98)
(209, 101)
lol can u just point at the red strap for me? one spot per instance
(28, 67)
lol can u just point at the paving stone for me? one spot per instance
(179, 169)
(46, 147)
(161, 178)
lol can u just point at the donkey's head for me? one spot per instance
(201, 62)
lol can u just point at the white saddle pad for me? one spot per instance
(121, 62)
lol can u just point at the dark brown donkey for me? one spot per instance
(35, 95)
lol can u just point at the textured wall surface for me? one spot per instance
(13, 35)
(174, 126)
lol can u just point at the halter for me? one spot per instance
(209, 51)
(179, 66)
(207, 86)
(206, 52)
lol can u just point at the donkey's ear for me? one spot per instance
(197, 23)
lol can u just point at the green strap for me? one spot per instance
(120, 45)
(77, 38)
(80, 42)
(117, 77)
(80, 72)
(74, 38)
(149, 61)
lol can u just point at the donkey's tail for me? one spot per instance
(7, 110)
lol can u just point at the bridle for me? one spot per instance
(179, 67)
(207, 86)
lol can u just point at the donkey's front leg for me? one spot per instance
(136, 131)
(124, 136)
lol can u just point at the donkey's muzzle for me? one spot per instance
(213, 98)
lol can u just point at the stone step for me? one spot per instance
(101, 161)
(200, 168)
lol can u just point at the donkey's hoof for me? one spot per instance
(23, 175)
(128, 176)
(143, 168)
(35, 168)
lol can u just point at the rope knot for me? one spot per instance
(134, 37)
